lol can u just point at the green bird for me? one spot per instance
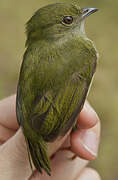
(57, 69)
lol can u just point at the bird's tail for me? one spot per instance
(37, 151)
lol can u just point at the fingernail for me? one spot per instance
(90, 142)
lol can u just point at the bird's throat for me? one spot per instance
(80, 30)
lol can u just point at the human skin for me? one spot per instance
(14, 163)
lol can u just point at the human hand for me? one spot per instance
(14, 163)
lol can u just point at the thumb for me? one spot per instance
(14, 163)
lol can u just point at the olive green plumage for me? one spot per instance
(56, 72)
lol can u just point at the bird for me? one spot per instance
(57, 69)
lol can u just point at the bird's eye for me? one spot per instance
(68, 20)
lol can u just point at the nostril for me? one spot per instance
(85, 11)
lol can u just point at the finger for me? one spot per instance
(88, 174)
(5, 134)
(8, 122)
(62, 168)
(85, 143)
(14, 159)
(87, 118)
(8, 113)
(35, 176)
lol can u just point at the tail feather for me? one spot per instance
(38, 153)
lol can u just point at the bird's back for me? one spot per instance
(52, 90)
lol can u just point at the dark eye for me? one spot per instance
(68, 20)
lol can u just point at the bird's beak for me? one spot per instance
(88, 11)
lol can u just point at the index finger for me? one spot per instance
(8, 113)
(88, 118)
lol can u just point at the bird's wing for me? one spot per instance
(55, 113)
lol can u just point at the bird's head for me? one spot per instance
(57, 20)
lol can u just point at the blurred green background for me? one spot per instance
(101, 27)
